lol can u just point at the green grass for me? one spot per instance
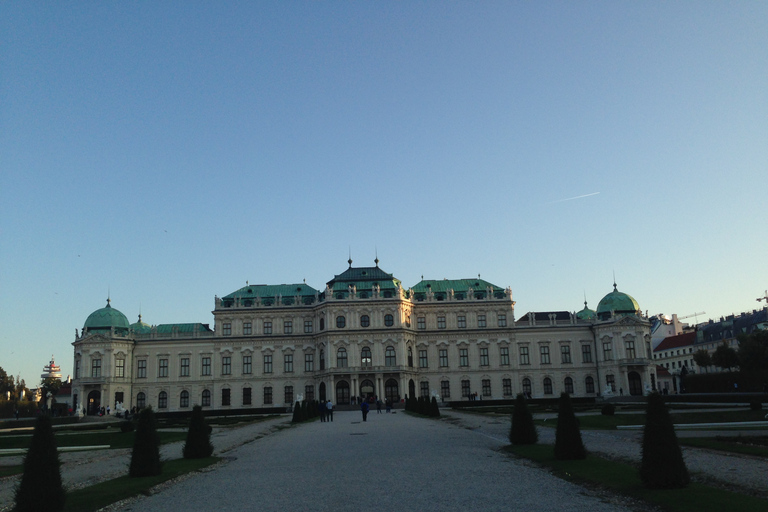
(624, 479)
(112, 437)
(712, 443)
(105, 493)
(11, 470)
(598, 421)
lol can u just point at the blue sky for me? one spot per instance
(165, 153)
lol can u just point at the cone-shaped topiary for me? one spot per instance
(434, 410)
(568, 444)
(523, 431)
(304, 411)
(145, 460)
(40, 486)
(662, 466)
(198, 445)
(296, 413)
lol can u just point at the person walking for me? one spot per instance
(378, 406)
(321, 408)
(329, 405)
(364, 408)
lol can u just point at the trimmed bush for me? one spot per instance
(126, 426)
(434, 410)
(755, 405)
(297, 413)
(662, 466)
(198, 445)
(568, 443)
(145, 459)
(523, 431)
(40, 487)
(608, 410)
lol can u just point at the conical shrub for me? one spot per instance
(40, 487)
(198, 445)
(297, 413)
(568, 443)
(145, 460)
(523, 431)
(434, 410)
(662, 466)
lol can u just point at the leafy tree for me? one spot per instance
(49, 385)
(145, 460)
(40, 487)
(522, 431)
(702, 358)
(6, 384)
(198, 445)
(662, 466)
(753, 352)
(725, 357)
(568, 443)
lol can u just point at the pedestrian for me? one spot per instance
(364, 408)
(389, 405)
(16, 413)
(621, 391)
(322, 409)
(378, 406)
(107, 410)
(329, 406)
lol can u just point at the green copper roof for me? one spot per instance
(363, 279)
(182, 328)
(106, 318)
(266, 293)
(141, 327)
(618, 303)
(460, 287)
(586, 313)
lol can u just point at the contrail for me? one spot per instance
(572, 198)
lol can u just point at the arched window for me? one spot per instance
(141, 401)
(365, 355)
(410, 357)
(389, 357)
(206, 402)
(547, 386)
(162, 400)
(322, 359)
(590, 384)
(341, 358)
(389, 320)
(322, 323)
(568, 383)
(342, 392)
(365, 321)
(527, 387)
(184, 399)
(341, 321)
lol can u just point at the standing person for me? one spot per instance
(364, 408)
(378, 406)
(389, 405)
(329, 405)
(321, 408)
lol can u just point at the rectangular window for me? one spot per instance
(424, 389)
(287, 327)
(246, 396)
(506, 385)
(504, 356)
(590, 384)
(268, 395)
(464, 388)
(77, 369)
(96, 368)
(611, 382)
(289, 394)
(607, 351)
(586, 353)
(423, 359)
(443, 357)
(247, 329)
(268, 329)
(268, 364)
(119, 397)
(206, 367)
(226, 329)
(461, 321)
(309, 362)
(544, 349)
(162, 368)
(525, 358)
(565, 353)
(247, 365)
(119, 367)
(288, 360)
(502, 320)
(481, 321)
(226, 365)
(206, 400)
(484, 357)
(445, 389)
(441, 322)
(463, 357)
(225, 397)
(486, 387)
(184, 367)
(309, 392)
(308, 326)
(421, 323)
(630, 347)
(141, 369)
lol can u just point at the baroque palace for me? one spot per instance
(364, 335)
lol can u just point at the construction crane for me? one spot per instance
(764, 297)
(694, 315)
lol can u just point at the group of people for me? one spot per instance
(325, 408)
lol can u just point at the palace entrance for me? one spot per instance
(342, 392)
(94, 402)
(635, 384)
(367, 390)
(391, 391)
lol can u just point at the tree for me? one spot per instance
(522, 431)
(753, 352)
(40, 487)
(49, 385)
(198, 445)
(702, 358)
(6, 384)
(145, 460)
(568, 443)
(725, 357)
(662, 466)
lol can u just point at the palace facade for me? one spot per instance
(364, 335)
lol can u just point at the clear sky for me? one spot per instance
(167, 152)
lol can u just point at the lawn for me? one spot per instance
(111, 436)
(599, 421)
(746, 445)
